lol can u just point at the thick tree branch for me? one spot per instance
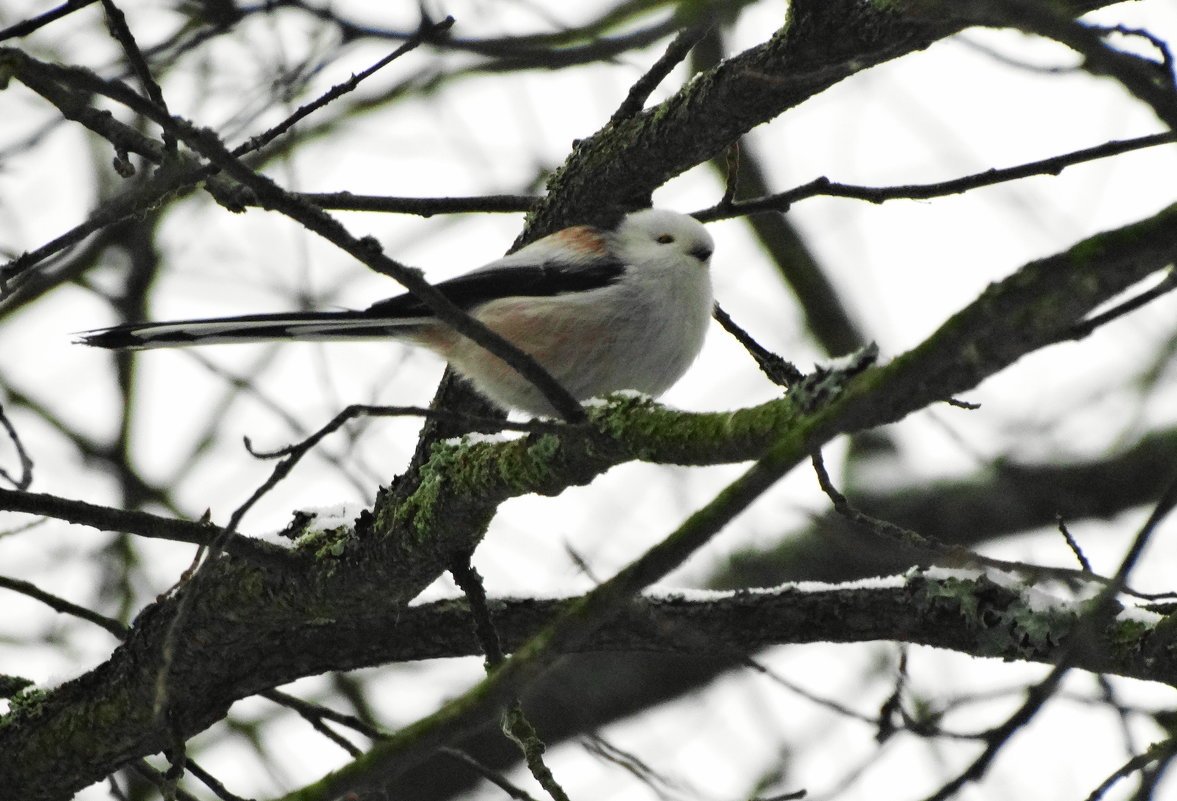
(968, 611)
(1007, 499)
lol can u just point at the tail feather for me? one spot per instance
(250, 328)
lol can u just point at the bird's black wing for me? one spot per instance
(471, 289)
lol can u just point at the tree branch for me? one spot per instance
(141, 524)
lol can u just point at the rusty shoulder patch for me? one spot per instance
(582, 239)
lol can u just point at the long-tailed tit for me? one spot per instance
(601, 310)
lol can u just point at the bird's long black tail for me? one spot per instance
(251, 328)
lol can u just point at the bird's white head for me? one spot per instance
(653, 234)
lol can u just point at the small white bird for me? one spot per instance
(601, 310)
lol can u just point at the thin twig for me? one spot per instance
(425, 33)
(632, 764)
(421, 206)
(884, 528)
(212, 783)
(1158, 752)
(307, 709)
(1081, 330)
(315, 715)
(117, 23)
(545, 50)
(939, 553)
(65, 607)
(519, 729)
(1073, 545)
(878, 194)
(26, 462)
(27, 26)
(893, 706)
(492, 776)
(778, 370)
(470, 583)
(675, 52)
(141, 524)
(813, 698)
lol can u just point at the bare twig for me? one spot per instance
(65, 607)
(316, 715)
(140, 524)
(1073, 545)
(421, 206)
(879, 527)
(492, 776)
(325, 713)
(117, 23)
(778, 370)
(426, 33)
(1083, 329)
(630, 762)
(675, 52)
(212, 783)
(27, 26)
(939, 553)
(470, 583)
(731, 174)
(879, 194)
(26, 463)
(1162, 752)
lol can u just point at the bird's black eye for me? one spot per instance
(665, 239)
